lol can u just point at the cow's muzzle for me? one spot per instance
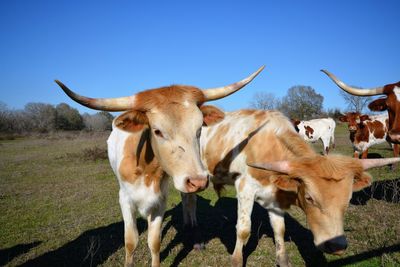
(335, 246)
(196, 183)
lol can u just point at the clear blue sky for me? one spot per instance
(117, 48)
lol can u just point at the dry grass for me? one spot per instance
(60, 208)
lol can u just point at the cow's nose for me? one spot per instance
(335, 245)
(196, 183)
(352, 128)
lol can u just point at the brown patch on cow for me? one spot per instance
(129, 248)
(309, 131)
(139, 161)
(244, 234)
(162, 97)
(376, 128)
(392, 105)
(287, 146)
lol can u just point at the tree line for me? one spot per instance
(304, 103)
(300, 102)
(43, 118)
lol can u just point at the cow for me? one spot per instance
(391, 103)
(155, 138)
(313, 130)
(261, 154)
(366, 131)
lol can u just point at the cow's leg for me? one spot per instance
(333, 139)
(325, 142)
(364, 154)
(154, 221)
(277, 221)
(130, 229)
(245, 198)
(356, 154)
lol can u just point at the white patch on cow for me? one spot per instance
(186, 103)
(396, 91)
(265, 196)
(143, 197)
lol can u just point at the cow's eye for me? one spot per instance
(309, 199)
(158, 133)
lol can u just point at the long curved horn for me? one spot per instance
(108, 104)
(371, 163)
(220, 92)
(278, 166)
(352, 90)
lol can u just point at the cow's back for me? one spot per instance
(243, 135)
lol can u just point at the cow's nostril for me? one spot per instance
(194, 184)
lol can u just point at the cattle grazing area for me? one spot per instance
(59, 207)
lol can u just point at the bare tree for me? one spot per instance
(266, 101)
(355, 103)
(42, 116)
(302, 102)
(101, 121)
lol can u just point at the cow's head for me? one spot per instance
(354, 120)
(323, 186)
(391, 103)
(295, 123)
(174, 117)
(305, 130)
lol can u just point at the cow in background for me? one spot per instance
(391, 103)
(313, 130)
(261, 154)
(366, 131)
(156, 138)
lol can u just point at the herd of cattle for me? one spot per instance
(169, 132)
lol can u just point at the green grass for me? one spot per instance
(59, 207)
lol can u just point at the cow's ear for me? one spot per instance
(378, 105)
(361, 182)
(131, 121)
(211, 115)
(286, 183)
(295, 122)
(343, 118)
(364, 118)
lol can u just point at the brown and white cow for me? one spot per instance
(366, 131)
(157, 136)
(391, 103)
(317, 129)
(291, 173)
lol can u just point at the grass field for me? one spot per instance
(59, 207)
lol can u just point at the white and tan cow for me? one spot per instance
(156, 138)
(291, 174)
(318, 129)
(366, 131)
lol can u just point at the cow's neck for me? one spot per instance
(140, 163)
